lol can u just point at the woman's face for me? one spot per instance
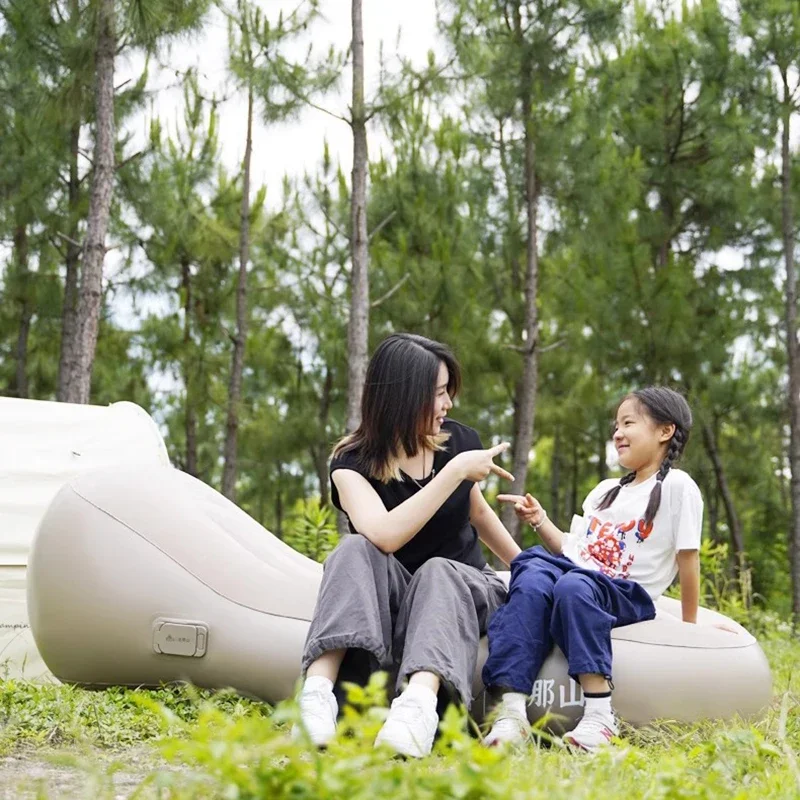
(442, 402)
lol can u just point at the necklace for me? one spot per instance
(432, 475)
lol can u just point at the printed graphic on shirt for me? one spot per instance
(608, 545)
(617, 542)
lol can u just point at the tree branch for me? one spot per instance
(381, 225)
(54, 244)
(322, 108)
(127, 161)
(384, 298)
(552, 346)
(412, 91)
(331, 220)
(69, 239)
(526, 349)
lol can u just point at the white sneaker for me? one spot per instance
(596, 729)
(510, 728)
(318, 710)
(410, 727)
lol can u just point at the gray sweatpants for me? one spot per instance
(370, 604)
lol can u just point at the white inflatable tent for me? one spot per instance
(42, 446)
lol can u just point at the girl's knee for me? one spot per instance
(573, 585)
(532, 586)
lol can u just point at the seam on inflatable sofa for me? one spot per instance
(690, 646)
(182, 566)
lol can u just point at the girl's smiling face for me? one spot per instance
(641, 442)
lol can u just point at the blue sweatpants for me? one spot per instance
(552, 600)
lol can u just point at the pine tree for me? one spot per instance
(281, 86)
(521, 55)
(773, 31)
(117, 26)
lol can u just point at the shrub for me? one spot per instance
(311, 529)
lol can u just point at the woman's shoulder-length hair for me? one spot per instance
(398, 402)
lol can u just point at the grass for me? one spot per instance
(184, 743)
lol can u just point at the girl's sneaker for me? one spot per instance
(596, 729)
(510, 728)
(318, 710)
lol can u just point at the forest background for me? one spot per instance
(580, 197)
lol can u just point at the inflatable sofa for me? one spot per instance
(139, 577)
(44, 445)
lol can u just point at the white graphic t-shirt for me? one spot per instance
(616, 541)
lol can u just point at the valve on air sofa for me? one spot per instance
(180, 637)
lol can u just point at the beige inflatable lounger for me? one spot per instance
(141, 577)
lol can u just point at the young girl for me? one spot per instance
(410, 591)
(635, 536)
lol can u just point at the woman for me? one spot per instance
(411, 591)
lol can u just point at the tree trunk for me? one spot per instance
(555, 478)
(784, 485)
(712, 502)
(319, 452)
(526, 397)
(734, 526)
(279, 503)
(91, 297)
(69, 313)
(602, 441)
(358, 322)
(576, 471)
(792, 349)
(237, 366)
(23, 279)
(358, 325)
(190, 413)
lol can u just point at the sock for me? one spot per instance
(318, 683)
(515, 702)
(422, 694)
(598, 701)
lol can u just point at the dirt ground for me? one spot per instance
(73, 775)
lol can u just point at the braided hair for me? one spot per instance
(665, 407)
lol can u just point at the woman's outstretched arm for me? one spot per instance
(491, 530)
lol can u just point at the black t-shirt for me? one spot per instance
(448, 533)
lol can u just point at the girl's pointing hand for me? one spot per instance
(528, 508)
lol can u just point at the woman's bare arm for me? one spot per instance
(491, 530)
(390, 530)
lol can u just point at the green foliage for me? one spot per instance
(52, 715)
(722, 589)
(258, 57)
(221, 745)
(311, 529)
(657, 174)
(719, 589)
(242, 753)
